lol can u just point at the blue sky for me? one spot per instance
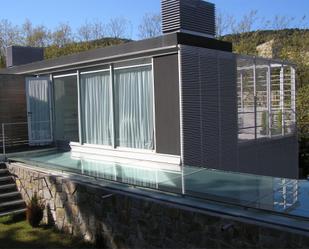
(75, 12)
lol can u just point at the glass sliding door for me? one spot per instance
(96, 103)
(39, 110)
(133, 92)
(66, 108)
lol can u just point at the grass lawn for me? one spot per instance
(16, 233)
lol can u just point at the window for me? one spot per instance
(96, 111)
(134, 108)
(118, 110)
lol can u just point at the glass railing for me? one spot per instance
(279, 195)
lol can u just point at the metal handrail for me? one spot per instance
(19, 141)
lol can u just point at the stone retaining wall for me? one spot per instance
(122, 221)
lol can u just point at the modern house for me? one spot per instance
(183, 98)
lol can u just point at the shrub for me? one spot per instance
(35, 209)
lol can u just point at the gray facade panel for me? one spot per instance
(209, 108)
(276, 157)
(16, 55)
(166, 85)
(228, 111)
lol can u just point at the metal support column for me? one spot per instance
(79, 96)
(3, 140)
(51, 107)
(282, 100)
(183, 187)
(269, 100)
(111, 87)
(241, 91)
(255, 98)
(293, 96)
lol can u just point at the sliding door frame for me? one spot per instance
(111, 69)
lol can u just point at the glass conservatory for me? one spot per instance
(266, 98)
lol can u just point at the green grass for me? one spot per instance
(16, 233)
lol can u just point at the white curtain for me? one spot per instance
(134, 108)
(96, 108)
(39, 109)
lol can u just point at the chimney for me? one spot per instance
(17, 55)
(189, 16)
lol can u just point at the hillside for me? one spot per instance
(289, 44)
(54, 51)
(71, 48)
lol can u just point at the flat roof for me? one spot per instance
(167, 42)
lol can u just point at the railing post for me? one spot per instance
(293, 97)
(269, 100)
(255, 97)
(282, 100)
(3, 140)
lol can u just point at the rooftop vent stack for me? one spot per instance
(17, 55)
(189, 16)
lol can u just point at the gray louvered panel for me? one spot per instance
(209, 108)
(228, 114)
(188, 15)
(191, 107)
(170, 15)
(210, 113)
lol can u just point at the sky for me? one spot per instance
(76, 12)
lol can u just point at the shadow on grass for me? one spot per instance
(11, 219)
(15, 232)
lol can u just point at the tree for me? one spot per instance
(62, 35)
(9, 35)
(98, 30)
(91, 31)
(282, 22)
(118, 27)
(246, 24)
(84, 32)
(223, 23)
(303, 127)
(150, 26)
(38, 36)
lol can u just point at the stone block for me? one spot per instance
(69, 187)
(58, 187)
(58, 202)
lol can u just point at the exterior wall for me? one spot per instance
(209, 104)
(167, 119)
(276, 157)
(13, 107)
(119, 220)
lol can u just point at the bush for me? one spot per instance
(35, 209)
